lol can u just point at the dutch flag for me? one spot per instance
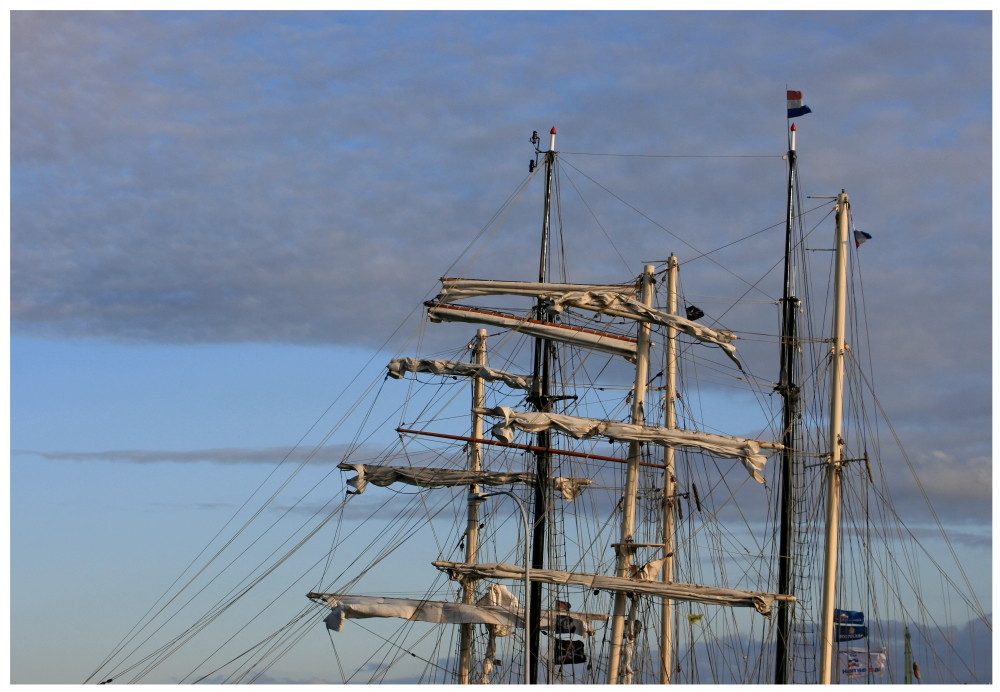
(795, 105)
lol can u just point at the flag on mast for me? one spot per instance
(849, 633)
(856, 663)
(849, 617)
(860, 237)
(795, 105)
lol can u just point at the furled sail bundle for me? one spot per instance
(400, 366)
(746, 450)
(428, 477)
(505, 616)
(762, 602)
(431, 477)
(618, 301)
(459, 289)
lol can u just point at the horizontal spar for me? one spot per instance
(606, 342)
(530, 448)
(760, 601)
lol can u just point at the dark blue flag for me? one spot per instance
(848, 633)
(849, 617)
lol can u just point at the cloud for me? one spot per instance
(960, 488)
(285, 179)
(272, 455)
(953, 477)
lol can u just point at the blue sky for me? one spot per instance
(217, 218)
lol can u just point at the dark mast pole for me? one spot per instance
(789, 392)
(541, 400)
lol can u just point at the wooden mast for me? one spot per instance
(472, 526)
(834, 465)
(625, 547)
(669, 481)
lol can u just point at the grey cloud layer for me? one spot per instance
(232, 177)
(221, 177)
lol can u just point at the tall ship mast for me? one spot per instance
(789, 392)
(541, 400)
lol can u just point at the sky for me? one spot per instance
(217, 218)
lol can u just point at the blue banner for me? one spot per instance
(848, 633)
(849, 617)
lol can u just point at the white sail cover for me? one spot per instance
(648, 571)
(499, 595)
(505, 616)
(747, 451)
(400, 366)
(762, 602)
(607, 300)
(428, 477)
(606, 342)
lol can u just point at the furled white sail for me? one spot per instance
(648, 571)
(506, 616)
(496, 595)
(606, 342)
(747, 451)
(427, 477)
(681, 592)
(607, 300)
(400, 366)
(571, 488)
(345, 606)
(430, 477)
(499, 595)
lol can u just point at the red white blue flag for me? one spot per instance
(856, 663)
(795, 105)
(860, 237)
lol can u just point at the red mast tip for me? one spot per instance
(553, 130)
(793, 127)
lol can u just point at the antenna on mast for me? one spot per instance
(536, 140)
